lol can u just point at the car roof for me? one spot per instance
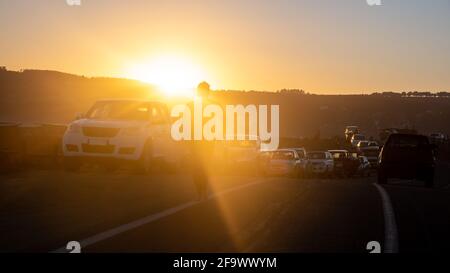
(338, 151)
(407, 135)
(285, 150)
(129, 100)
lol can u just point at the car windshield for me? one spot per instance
(301, 153)
(339, 155)
(372, 144)
(363, 144)
(318, 155)
(359, 137)
(283, 155)
(119, 110)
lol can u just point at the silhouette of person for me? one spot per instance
(201, 150)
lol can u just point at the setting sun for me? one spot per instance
(174, 76)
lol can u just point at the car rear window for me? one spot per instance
(316, 155)
(301, 153)
(339, 155)
(284, 155)
(406, 141)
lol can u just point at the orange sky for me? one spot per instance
(319, 46)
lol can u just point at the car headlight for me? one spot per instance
(74, 128)
(131, 131)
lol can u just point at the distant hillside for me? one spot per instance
(327, 115)
(48, 96)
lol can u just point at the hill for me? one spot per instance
(51, 96)
(55, 97)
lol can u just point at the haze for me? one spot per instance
(322, 46)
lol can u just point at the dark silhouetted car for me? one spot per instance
(345, 163)
(364, 166)
(407, 156)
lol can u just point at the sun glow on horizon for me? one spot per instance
(173, 76)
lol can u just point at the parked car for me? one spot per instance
(357, 138)
(131, 130)
(303, 160)
(350, 131)
(362, 144)
(437, 138)
(239, 155)
(385, 133)
(345, 163)
(364, 166)
(373, 144)
(371, 150)
(407, 156)
(319, 162)
(284, 162)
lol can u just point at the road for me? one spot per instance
(42, 210)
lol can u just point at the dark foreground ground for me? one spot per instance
(41, 211)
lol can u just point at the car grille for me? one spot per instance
(100, 132)
(98, 149)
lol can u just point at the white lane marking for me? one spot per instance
(151, 218)
(390, 225)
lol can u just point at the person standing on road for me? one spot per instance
(201, 151)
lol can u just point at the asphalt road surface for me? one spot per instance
(41, 211)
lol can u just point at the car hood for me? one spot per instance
(110, 123)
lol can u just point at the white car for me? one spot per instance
(357, 138)
(371, 150)
(130, 130)
(284, 162)
(238, 154)
(350, 131)
(303, 161)
(320, 162)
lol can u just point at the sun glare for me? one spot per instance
(172, 75)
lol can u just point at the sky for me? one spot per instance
(321, 46)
